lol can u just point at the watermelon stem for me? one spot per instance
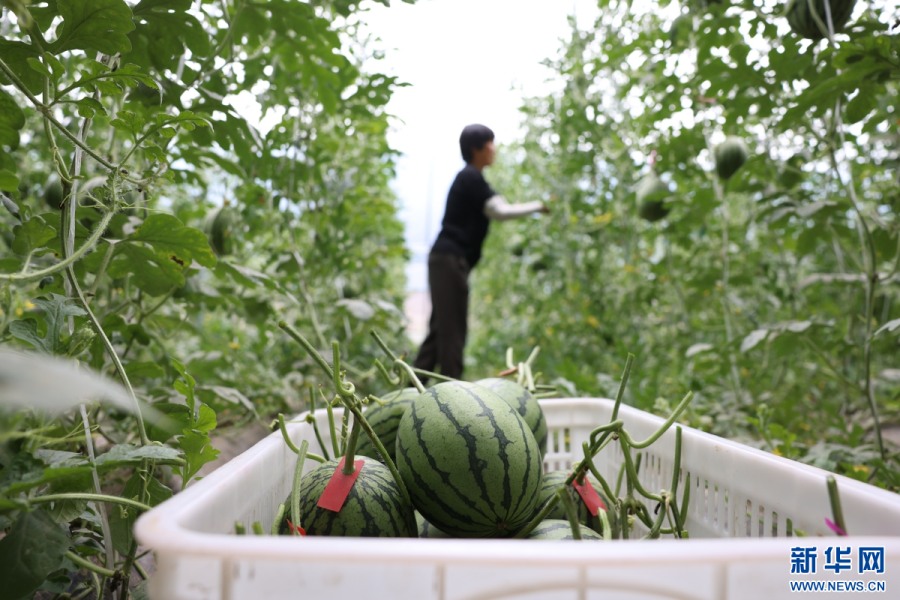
(528, 376)
(676, 473)
(523, 371)
(640, 511)
(673, 514)
(834, 498)
(400, 366)
(662, 428)
(393, 381)
(311, 419)
(623, 518)
(629, 361)
(295, 486)
(298, 337)
(606, 430)
(660, 518)
(358, 418)
(604, 520)
(531, 357)
(571, 512)
(432, 375)
(593, 470)
(345, 431)
(676, 470)
(350, 451)
(331, 428)
(383, 346)
(619, 479)
(685, 499)
(345, 389)
(290, 443)
(633, 467)
(279, 517)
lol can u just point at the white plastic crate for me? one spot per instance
(742, 501)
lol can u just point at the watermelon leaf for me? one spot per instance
(33, 548)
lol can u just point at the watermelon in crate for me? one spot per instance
(469, 461)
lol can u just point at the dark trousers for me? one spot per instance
(448, 279)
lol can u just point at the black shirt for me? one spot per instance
(465, 225)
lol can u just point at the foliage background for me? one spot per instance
(773, 294)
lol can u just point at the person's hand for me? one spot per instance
(544, 209)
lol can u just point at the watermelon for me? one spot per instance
(523, 402)
(680, 31)
(374, 507)
(427, 530)
(730, 156)
(469, 461)
(651, 193)
(219, 227)
(53, 192)
(651, 187)
(801, 16)
(384, 419)
(560, 529)
(653, 210)
(552, 482)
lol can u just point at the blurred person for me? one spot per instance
(471, 205)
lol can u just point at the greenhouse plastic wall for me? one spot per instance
(756, 523)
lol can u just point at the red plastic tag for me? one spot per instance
(589, 496)
(335, 493)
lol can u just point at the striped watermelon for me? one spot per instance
(800, 16)
(730, 156)
(559, 529)
(552, 482)
(384, 419)
(426, 529)
(374, 507)
(469, 461)
(525, 404)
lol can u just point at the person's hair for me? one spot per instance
(474, 137)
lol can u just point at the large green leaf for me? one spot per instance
(100, 25)
(198, 450)
(127, 454)
(177, 418)
(12, 119)
(824, 93)
(16, 55)
(170, 236)
(164, 29)
(153, 272)
(33, 548)
(50, 475)
(26, 330)
(9, 181)
(31, 235)
(57, 310)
